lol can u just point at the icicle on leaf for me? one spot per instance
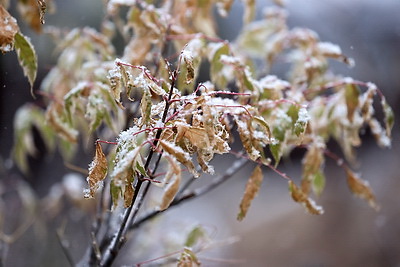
(361, 188)
(26, 57)
(8, 29)
(97, 171)
(389, 116)
(182, 156)
(299, 196)
(173, 180)
(42, 10)
(252, 187)
(188, 259)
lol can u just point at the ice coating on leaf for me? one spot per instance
(302, 198)
(182, 156)
(361, 188)
(8, 29)
(329, 49)
(97, 172)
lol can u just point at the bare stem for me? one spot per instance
(237, 165)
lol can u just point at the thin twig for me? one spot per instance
(119, 238)
(238, 164)
(64, 248)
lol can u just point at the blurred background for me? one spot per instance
(276, 231)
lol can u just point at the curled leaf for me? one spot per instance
(26, 57)
(97, 171)
(252, 187)
(8, 29)
(182, 156)
(299, 196)
(361, 188)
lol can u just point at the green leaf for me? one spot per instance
(352, 93)
(194, 236)
(318, 183)
(26, 57)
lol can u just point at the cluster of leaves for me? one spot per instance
(153, 105)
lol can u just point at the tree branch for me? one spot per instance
(238, 164)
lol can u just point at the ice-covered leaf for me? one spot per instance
(182, 156)
(361, 188)
(300, 197)
(26, 57)
(8, 29)
(54, 118)
(173, 181)
(197, 136)
(389, 116)
(301, 122)
(97, 171)
(42, 10)
(252, 187)
(188, 259)
(114, 76)
(352, 93)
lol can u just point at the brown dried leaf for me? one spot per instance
(182, 156)
(31, 14)
(8, 29)
(299, 196)
(197, 136)
(97, 171)
(173, 178)
(128, 194)
(252, 187)
(361, 188)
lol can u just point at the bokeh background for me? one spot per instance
(276, 231)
